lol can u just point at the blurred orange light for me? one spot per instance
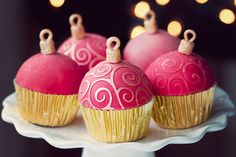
(201, 1)
(137, 30)
(162, 2)
(141, 9)
(174, 28)
(57, 3)
(227, 16)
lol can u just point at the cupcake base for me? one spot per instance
(118, 125)
(179, 112)
(46, 109)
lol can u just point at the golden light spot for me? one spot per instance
(162, 2)
(57, 3)
(141, 8)
(174, 28)
(137, 30)
(201, 1)
(227, 16)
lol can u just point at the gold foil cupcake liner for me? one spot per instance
(46, 109)
(118, 125)
(179, 112)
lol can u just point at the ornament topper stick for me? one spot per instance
(186, 45)
(46, 43)
(150, 23)
(77, 28)
(113, 51)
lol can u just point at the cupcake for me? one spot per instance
(47, 85)
(184, 86)
(86, 49)
(116, 99)
(153, 43)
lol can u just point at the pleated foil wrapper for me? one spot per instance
(118, 125)
(46, 109)
(180, 112)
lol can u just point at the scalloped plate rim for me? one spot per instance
(137, 145)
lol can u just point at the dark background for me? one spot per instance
(21, 22)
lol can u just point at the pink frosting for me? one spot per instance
(175, 74)
(50, 74)
(87, 52)
(145, 48)
(115, 87)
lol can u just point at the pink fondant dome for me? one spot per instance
(114, 84)
(180, 72)
(50, 73)
(148, 46)
(86, 49)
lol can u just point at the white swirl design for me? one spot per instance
(131, 78)
(115, 86)
(94, 62)
(68, 47)
(195, 76)
(142, 94)
(86, 102)
(97, 43)
(102, 92)
(82, 56)
(87, 51)
(102, 70)
(126, 94)
(177, 85)
(84, 87)
(178, 74)
(172, 65)
(160, 81)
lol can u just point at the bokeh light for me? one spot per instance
(201, 1)
(162, 2)
(137, 30)
(227, 16)
(141, 9)
(57, 3)
(174, 28)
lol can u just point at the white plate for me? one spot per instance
(76, 136)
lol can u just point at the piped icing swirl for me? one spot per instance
(114, 84)
(179, 74)
(86, 52)
(115, 87)
(86, 49)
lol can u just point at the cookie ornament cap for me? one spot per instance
(184, 86)
(86, 49)
(153, 43)
(116, 96)
(47, 84)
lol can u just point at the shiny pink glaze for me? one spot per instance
(175, 73)
(115, 87)
(50, 74)
(145, 48)
(87, 52)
